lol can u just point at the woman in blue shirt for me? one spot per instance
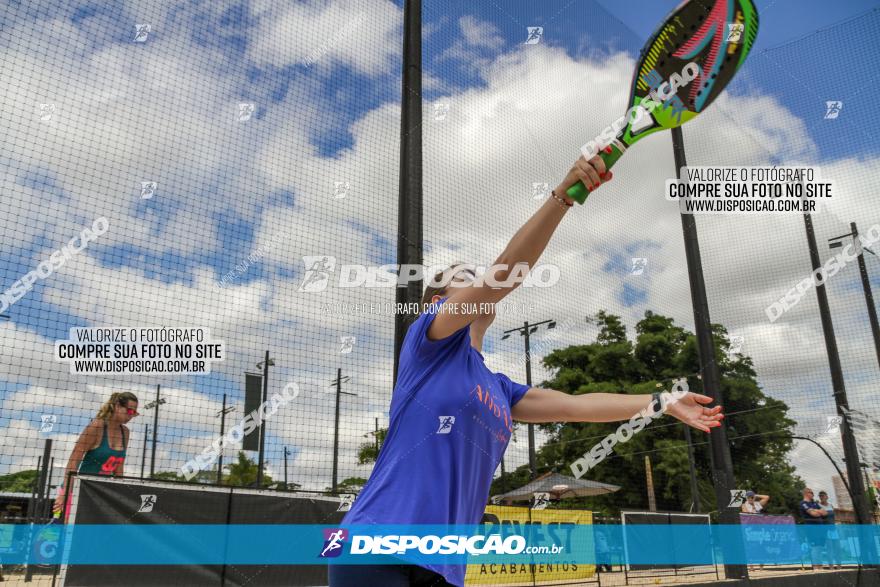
(451, 417)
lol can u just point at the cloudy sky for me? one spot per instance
(90, 112)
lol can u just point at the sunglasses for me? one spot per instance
(130, 411)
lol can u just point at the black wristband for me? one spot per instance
(658, 400)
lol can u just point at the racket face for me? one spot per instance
(716, 35)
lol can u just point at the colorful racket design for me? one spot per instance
(683, 67)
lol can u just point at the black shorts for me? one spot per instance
(385, 576)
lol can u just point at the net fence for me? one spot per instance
(206, 185)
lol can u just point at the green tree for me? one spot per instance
(349, 485)
(206, 477)
(243, 472)
(368, 451)
(168, 476)
(19, 482)
(290, 486)
(662, 352)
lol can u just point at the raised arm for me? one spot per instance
(525, 247)
(541, 405)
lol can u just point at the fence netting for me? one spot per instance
(217, 183)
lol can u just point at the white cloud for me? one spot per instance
(365, 36)
(128, 113)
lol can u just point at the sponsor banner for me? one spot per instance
(262, 544)
(770, 538)
(552, 527)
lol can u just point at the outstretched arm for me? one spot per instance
(540, 405)
(526, 247)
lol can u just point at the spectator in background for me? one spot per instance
(812, 514)
(832, 539)
(754, 503)
(602, 552)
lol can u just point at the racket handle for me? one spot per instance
(579, 192)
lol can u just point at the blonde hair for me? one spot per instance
(118, 398)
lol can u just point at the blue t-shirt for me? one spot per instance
(810, 505)
(448, 428)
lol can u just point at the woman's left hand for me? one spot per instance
(690, 410)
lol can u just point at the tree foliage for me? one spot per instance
(369, 451)
(349, 485)
(19, 482)
(243, 473)
(759, 427)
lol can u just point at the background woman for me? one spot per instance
(100, 449)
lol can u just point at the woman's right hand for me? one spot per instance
(591, 172)
(59, 503)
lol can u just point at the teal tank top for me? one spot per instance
(104, 460)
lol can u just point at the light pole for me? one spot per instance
(834, 243)
(338, 383)
(720, 460)
(695, 490)
(264, 364)
(375, 435)
(144, 457)
(150, 406)
(850, 449)
(222, 413)
(526, 330)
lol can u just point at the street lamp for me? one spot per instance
(834, 243)
(222, 414)
(525, 331)
(144, 455)
(264, 365)
(338, 383)
(150, 406)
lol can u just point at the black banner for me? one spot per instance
(659, 518)
(258, 508)
(104, 501)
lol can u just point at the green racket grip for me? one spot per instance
(579, 192)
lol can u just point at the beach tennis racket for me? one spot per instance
(686, 63)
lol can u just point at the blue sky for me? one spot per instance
(781, 20)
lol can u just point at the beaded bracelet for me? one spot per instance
(560, 200)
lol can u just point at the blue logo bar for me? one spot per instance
(287, 544)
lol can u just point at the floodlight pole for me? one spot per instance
(722, 464)
(866, 283)
(338, 384)
(409, 197)
(525, 330)
(850, 449)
